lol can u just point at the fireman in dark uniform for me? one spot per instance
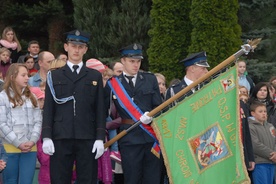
(73, 118)
(196, 66)
(139, 164)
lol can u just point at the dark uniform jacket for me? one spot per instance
(59, 121)
(251, 83)
(246, 136)
(175, 89)
(146, 96)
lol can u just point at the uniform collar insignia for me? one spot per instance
(141, 76)
(120, 78)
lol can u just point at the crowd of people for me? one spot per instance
(59, 111)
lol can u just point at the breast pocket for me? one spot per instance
(147, 95)
(91, 87)
(61, 88)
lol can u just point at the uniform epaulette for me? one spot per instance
(147, 72)
(176, 84)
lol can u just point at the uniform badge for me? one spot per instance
(77, 33)
(114, 97)
(135, 47)
(94, 83)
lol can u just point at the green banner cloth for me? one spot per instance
(200, 137)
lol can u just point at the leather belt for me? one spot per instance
(128, 121)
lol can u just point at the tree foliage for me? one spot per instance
(170, 36)
(113, 24)
(258, 20)
(215, 29)
(129, 23)
(93, 17)
(37, 20)
(117, 23)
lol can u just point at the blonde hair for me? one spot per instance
(160, 76)
(16, 98)
(4, 49)
(57, 63)
(241, 87)
(245, 95)
(108, 72)
(7, 29)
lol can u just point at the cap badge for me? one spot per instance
(77, 33)
(135, 47)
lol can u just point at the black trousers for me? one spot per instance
(140, 166)
(66, 152)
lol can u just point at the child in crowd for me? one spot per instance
(10, 41)
(62, 56)
(243, 97)
(161, 83)
(29, 62)
(114, 150)
(57, 63)
(20, 125)
(42, 86)
(244, 79)
(264, 146)
(104, 162)
(40, 95)
(44, 160)
(106, 73)
(5, 61)
(243, 90)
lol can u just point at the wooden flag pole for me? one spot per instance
(245, 49)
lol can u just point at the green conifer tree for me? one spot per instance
(113, 24)
(215, 29)
(257, 19)
(170, 37)
(93, 17)
(129, 23)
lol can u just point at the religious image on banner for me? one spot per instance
(209, 148)
(200, 137)
(228, 83)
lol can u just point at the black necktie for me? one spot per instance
(130, 82)
(75, 67)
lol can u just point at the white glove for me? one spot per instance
(99, 146)
(48, 146)
(145, 119)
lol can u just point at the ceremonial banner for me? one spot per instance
(200, 137)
